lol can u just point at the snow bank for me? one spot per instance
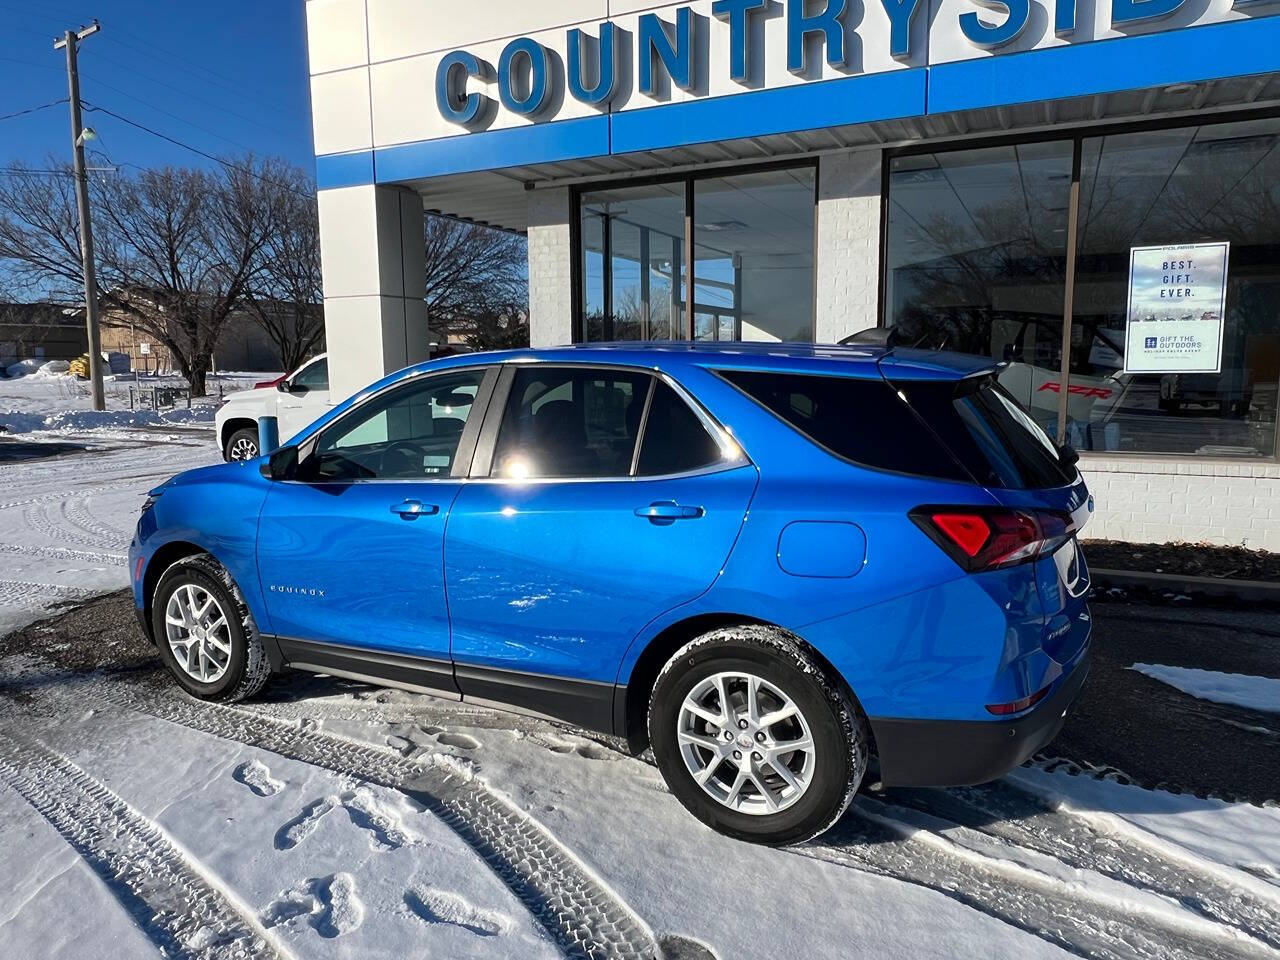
(18, 421)
(38, 368)
(1239, 689)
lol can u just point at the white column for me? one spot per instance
(374, 268)
(848, 255)
(550, 268)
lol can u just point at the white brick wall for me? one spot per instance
(848, 253)
(1161, 501)
(550, 269)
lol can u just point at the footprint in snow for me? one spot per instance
(328, 904)
(255, 775)
(459, 740)
(387, 831)
(433, 905)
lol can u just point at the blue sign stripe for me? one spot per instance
(830, 103)
(492, 149)
(1189, 55)
(335, 170)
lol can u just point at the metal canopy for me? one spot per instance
(500, 198)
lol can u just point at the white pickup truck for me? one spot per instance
(295, 401)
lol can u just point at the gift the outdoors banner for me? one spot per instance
(1177, 304)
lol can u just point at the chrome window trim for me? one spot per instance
(732, 453)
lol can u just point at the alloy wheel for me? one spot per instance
(746, 743)
(244, 449)
(198, 633)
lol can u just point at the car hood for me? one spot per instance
(243, 396)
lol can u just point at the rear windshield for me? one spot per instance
(995, 438)
(968, 431)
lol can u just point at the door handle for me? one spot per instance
(412, 509)
(666, 511)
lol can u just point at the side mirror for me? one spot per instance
(284, 386)
(1068, 455)
(281, 465)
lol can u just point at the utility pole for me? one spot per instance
(71, 40)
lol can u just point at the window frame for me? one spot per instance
(1076, 135)
(688, 266)
(463, 456)
(733, 455)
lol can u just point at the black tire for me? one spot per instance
(238, 444)
(248, 668)
(837, 726)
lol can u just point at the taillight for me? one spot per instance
(981, 538)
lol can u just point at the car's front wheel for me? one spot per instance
(242, 445)
(205, 633)
(754, 738)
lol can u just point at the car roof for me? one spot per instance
(857, 360)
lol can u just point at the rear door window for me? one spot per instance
(675, 440)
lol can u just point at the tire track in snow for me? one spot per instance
(170, 898)
(1013, 816)
(583, 916)
(22, 593)
(37, 517)
(76, 512)
(1095, 923)
(64, 553)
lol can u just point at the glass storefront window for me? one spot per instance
(753, 248)
(976, 255)
(1192, 185)
(633, 263)
(753, 256)
(976, 259)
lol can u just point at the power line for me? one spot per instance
(168, 113)
(30, 110)
(93, 108)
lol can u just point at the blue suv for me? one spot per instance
(773, 563)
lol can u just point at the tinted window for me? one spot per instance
(314, 376)
(995, 438)
(675, 441)
(862, 420)
(410, 433)
(570, 422)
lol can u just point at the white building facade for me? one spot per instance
(975, 176)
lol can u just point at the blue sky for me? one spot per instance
(225, 77)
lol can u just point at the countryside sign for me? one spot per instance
(666, 48)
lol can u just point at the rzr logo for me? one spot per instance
(299, 591)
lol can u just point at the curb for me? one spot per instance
(1251, 591)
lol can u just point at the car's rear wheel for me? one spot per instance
(205, 633)
(754, 738)
(242, 445)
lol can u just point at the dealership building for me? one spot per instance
(1088, 190)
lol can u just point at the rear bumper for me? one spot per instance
(954, 753)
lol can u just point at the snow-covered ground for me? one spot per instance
(328, 819)
(1242, 690)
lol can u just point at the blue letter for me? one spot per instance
(1064, 17)
(982, 35)
(607, 84)
(539, 76)
(901, 13)
(456, 105)
(738, 13)
(829, 23)
(655, 42)
(1132, 11)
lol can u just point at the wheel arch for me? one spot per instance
(231, 426)
(631, 706)
(164, 557)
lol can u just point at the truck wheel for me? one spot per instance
(205, 633)
(754, 738)
(241, 445)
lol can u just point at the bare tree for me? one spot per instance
(475, 274)
(504, 329)
(285, 296)
(176, 247)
